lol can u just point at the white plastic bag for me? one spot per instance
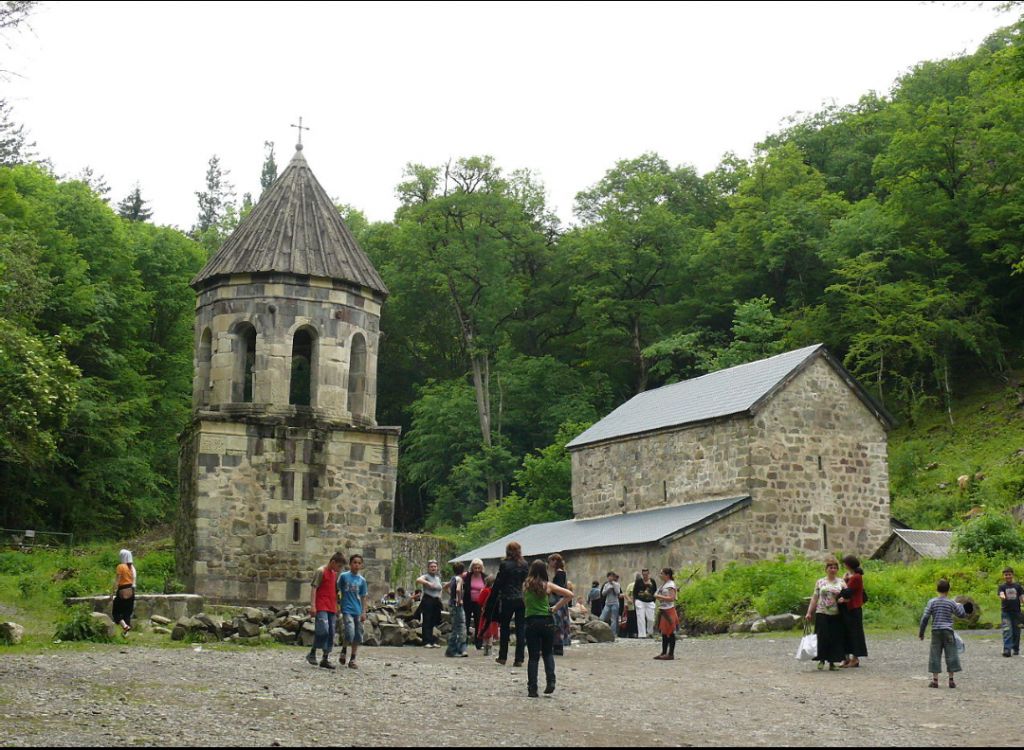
(960, 645)
(808, 648)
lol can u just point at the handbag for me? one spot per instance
(808, 648)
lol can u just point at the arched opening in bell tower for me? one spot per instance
(357, 377)
(244, 369)
(303, 380)
(204, 359)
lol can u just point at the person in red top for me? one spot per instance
(851, 604)
(488, 629)
(323, 606)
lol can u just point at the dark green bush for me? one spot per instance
(70, 589)
(79, 625)
(990, 534)
(14, 563)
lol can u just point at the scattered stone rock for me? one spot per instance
(600, 631)
(104, 619)
(787, 621)
(759, 625)
(391, 635)
(283, 636)
(162, 630)
(160, 620)
(246, 627)
(11, 632)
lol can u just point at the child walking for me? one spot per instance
(941, 609)
(354, 591)
(540, 627)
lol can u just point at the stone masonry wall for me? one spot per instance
(819, 469)
(410, 553)
(697, 463)
(813, 460)
(259, 480)
(277, 306)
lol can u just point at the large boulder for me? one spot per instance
(391, 635)
(283, 636)
(247, 628)
(787, 621)
(104, 619)
(11, 633)
(599, 630)
(252, 614)
(210, 623)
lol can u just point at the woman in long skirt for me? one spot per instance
(828, 623)
(852, 604)
(563, 627)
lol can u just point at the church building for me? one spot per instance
(781, 456)
(283, 463)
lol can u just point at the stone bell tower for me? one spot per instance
(283, 463)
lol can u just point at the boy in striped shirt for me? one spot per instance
(941, 609)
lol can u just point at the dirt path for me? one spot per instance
(720, 691)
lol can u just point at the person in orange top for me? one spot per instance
(124, 592)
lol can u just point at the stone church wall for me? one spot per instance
(813, 460)
(820, 477)
(270, 502)
(689, 465)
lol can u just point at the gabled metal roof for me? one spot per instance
(736, 390)
(934, 544)
(637, 527)
(295, 228)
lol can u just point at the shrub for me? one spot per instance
(79, 625)
(990, 534)
(70, 589)
(27, 587)
(14, 563)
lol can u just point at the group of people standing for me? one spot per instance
(633, 611)
(837, 611)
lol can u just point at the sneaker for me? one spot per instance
(311, 658)
(502, 662)
(352, 664)
(326, 665)
(533, 694)
(1006, 654)
(464, 654)
(549, 689)
(517, 664)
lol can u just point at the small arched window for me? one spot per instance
(357, 376)
(245, 364)
(203, 375)
(301, 387)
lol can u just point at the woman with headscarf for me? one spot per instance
(124, 592)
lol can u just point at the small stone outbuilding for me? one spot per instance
(283, 463)
(911, 545)
(781, 456)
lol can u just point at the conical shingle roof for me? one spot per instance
(295, 228)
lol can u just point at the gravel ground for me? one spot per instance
(720, 691)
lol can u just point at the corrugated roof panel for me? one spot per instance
(637, 527)
(933, 544)
(717, 394)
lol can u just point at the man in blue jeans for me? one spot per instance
(324, 608)
(1010, 593)
(353, 589)
(611, 591)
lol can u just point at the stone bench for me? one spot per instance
(171, 606)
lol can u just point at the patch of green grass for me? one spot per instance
(898, 593)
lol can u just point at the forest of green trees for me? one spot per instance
(892, 230)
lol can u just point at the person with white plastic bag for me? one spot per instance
(828, 623)
(808, 648)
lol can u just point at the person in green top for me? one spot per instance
(540, 626)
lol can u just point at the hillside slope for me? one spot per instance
(985, 442)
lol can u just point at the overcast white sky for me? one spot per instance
(149, 91)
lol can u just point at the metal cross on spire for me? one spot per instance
(301, 127)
